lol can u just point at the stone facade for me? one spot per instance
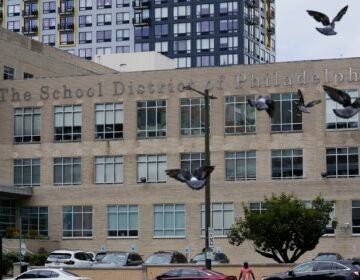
(129, 88)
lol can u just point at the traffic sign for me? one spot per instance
(211, 237)
(23, 249)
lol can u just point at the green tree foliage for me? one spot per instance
(285, 230)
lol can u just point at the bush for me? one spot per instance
(11, 232)
(8, 260)
(33, 259)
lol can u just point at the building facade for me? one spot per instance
(210, 33)
(94, 150)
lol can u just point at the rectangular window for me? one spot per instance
(28, 76)
(49, 39)
(161, 47)
(287, 164)
(123, 220)
(228, 43)
(205, 27)
(104, 50)
(34, 221)
(122, 35)
(161, 30)
(342, 162)
(151, 168)
(103, 4)
(205, 61)
(67, 121)
(151, 118)
(85, 37)
(49, 23)
(7, 215)
(109, 170)
(183, 62)
(13, 26)
(85, 21)
(141, 32)
(122, 49)
(27, 125)
(85, 5)
(205, 10)
(85, 53)
(287, 115)
(192, 111)
(103, 19)
(221, 216)
(355, 216)
(9, 73)
(122, 18)
(169, 220)
(182, 46)
(191, 161)
(228, 59)
(334, 122)
(109, 121)
(240, 166)
(229, 26)
(228, 8)
(161, 14)
(205, 45)
(13, 10)
(49, 7)
(67, 171)
(257, 207)
(66, 38)
(26, 172)
(103, 36)
(122, 3)
(77, 221)
(239, 115)
(182, 29)
(182, 12)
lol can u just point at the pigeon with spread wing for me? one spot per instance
(195, 181)
(304, 107)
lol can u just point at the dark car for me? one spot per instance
(216, 258)
(324, 270)
(328, 256)
(166, 257)
(191, 273)
(117, 259)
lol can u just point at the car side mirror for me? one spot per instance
(291, 273)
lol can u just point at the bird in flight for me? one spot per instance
(304, 107)
(324, 19)
(195, 181)
(349, 109)
(263, 103)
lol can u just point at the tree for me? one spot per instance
(286, 229)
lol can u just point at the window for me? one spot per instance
(30, 9)
(26, 172)
(7, 215)
(9, 73)
(161, 47)
(77, 221)
(28, 76)
(86, 53)
(240, 166)
(49, 39)
(182, 29)
(183, 62)
(122, 3)
(122, 49)
(30, 26)
(257, 207)
(161, 14)
(103, 4)
(85, 37)
(67, 171)
(356, 216)
(222, 217)
(34, 221)
(49, 23)
(191, 161)
(205, 61)
(66, 23)
(103, 36)
(122, 18)
(123, 220)
(228, 8)
(104, 19)
(182, 46)
(205, 45)
(27, 125)
(161, 30)
(122, 35)
(239, 115)
(103, 50)
(228, 43)
(13, 10)
(342, 162)
(334, 122)
(287, 164)
(66, 38)
(141, 32)
(287, 115)
(205, 27)
(13, 26)
(151, 118)
(109, 170)
(192, 116)
(330, 230)
(67, 121)
(85, 21)
(49, 7)
(205, 10)
(85, 5)
(151, 168)
(169, 220)
(228, 26)
(182, 12)
(228, 59)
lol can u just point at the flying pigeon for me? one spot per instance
(263, 103)
(324, 19)
(304, 107)
(195, 181)
(341, 97)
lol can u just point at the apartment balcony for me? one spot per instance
(66, 11)
(271, 30)
(272, 14)
(252, 3)
(252, 20)
(141, 4)
(35, 1)
(30, 30)
(66, 27)
(141, 21)
(30, 14)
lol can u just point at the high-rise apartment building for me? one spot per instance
(194, 33)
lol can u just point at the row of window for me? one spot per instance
(239, 166)
(9, 74)
(168, 219)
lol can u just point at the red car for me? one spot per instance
(193, 273)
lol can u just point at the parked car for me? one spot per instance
(324, 270)
(328, 256)
(191, 273)
(49, 273)
(216, 258)
(117, 259)
(166, 257)
(69, 258)
(99, 256)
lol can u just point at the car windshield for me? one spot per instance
(59, 256)
(199, 258)
(118, 258)
(326, 257)
(159, 259)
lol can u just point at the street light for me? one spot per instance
(207, 97)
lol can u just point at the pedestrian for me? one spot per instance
(246, 272)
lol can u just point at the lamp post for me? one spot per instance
(207, 97)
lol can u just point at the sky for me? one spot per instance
(297, 38)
